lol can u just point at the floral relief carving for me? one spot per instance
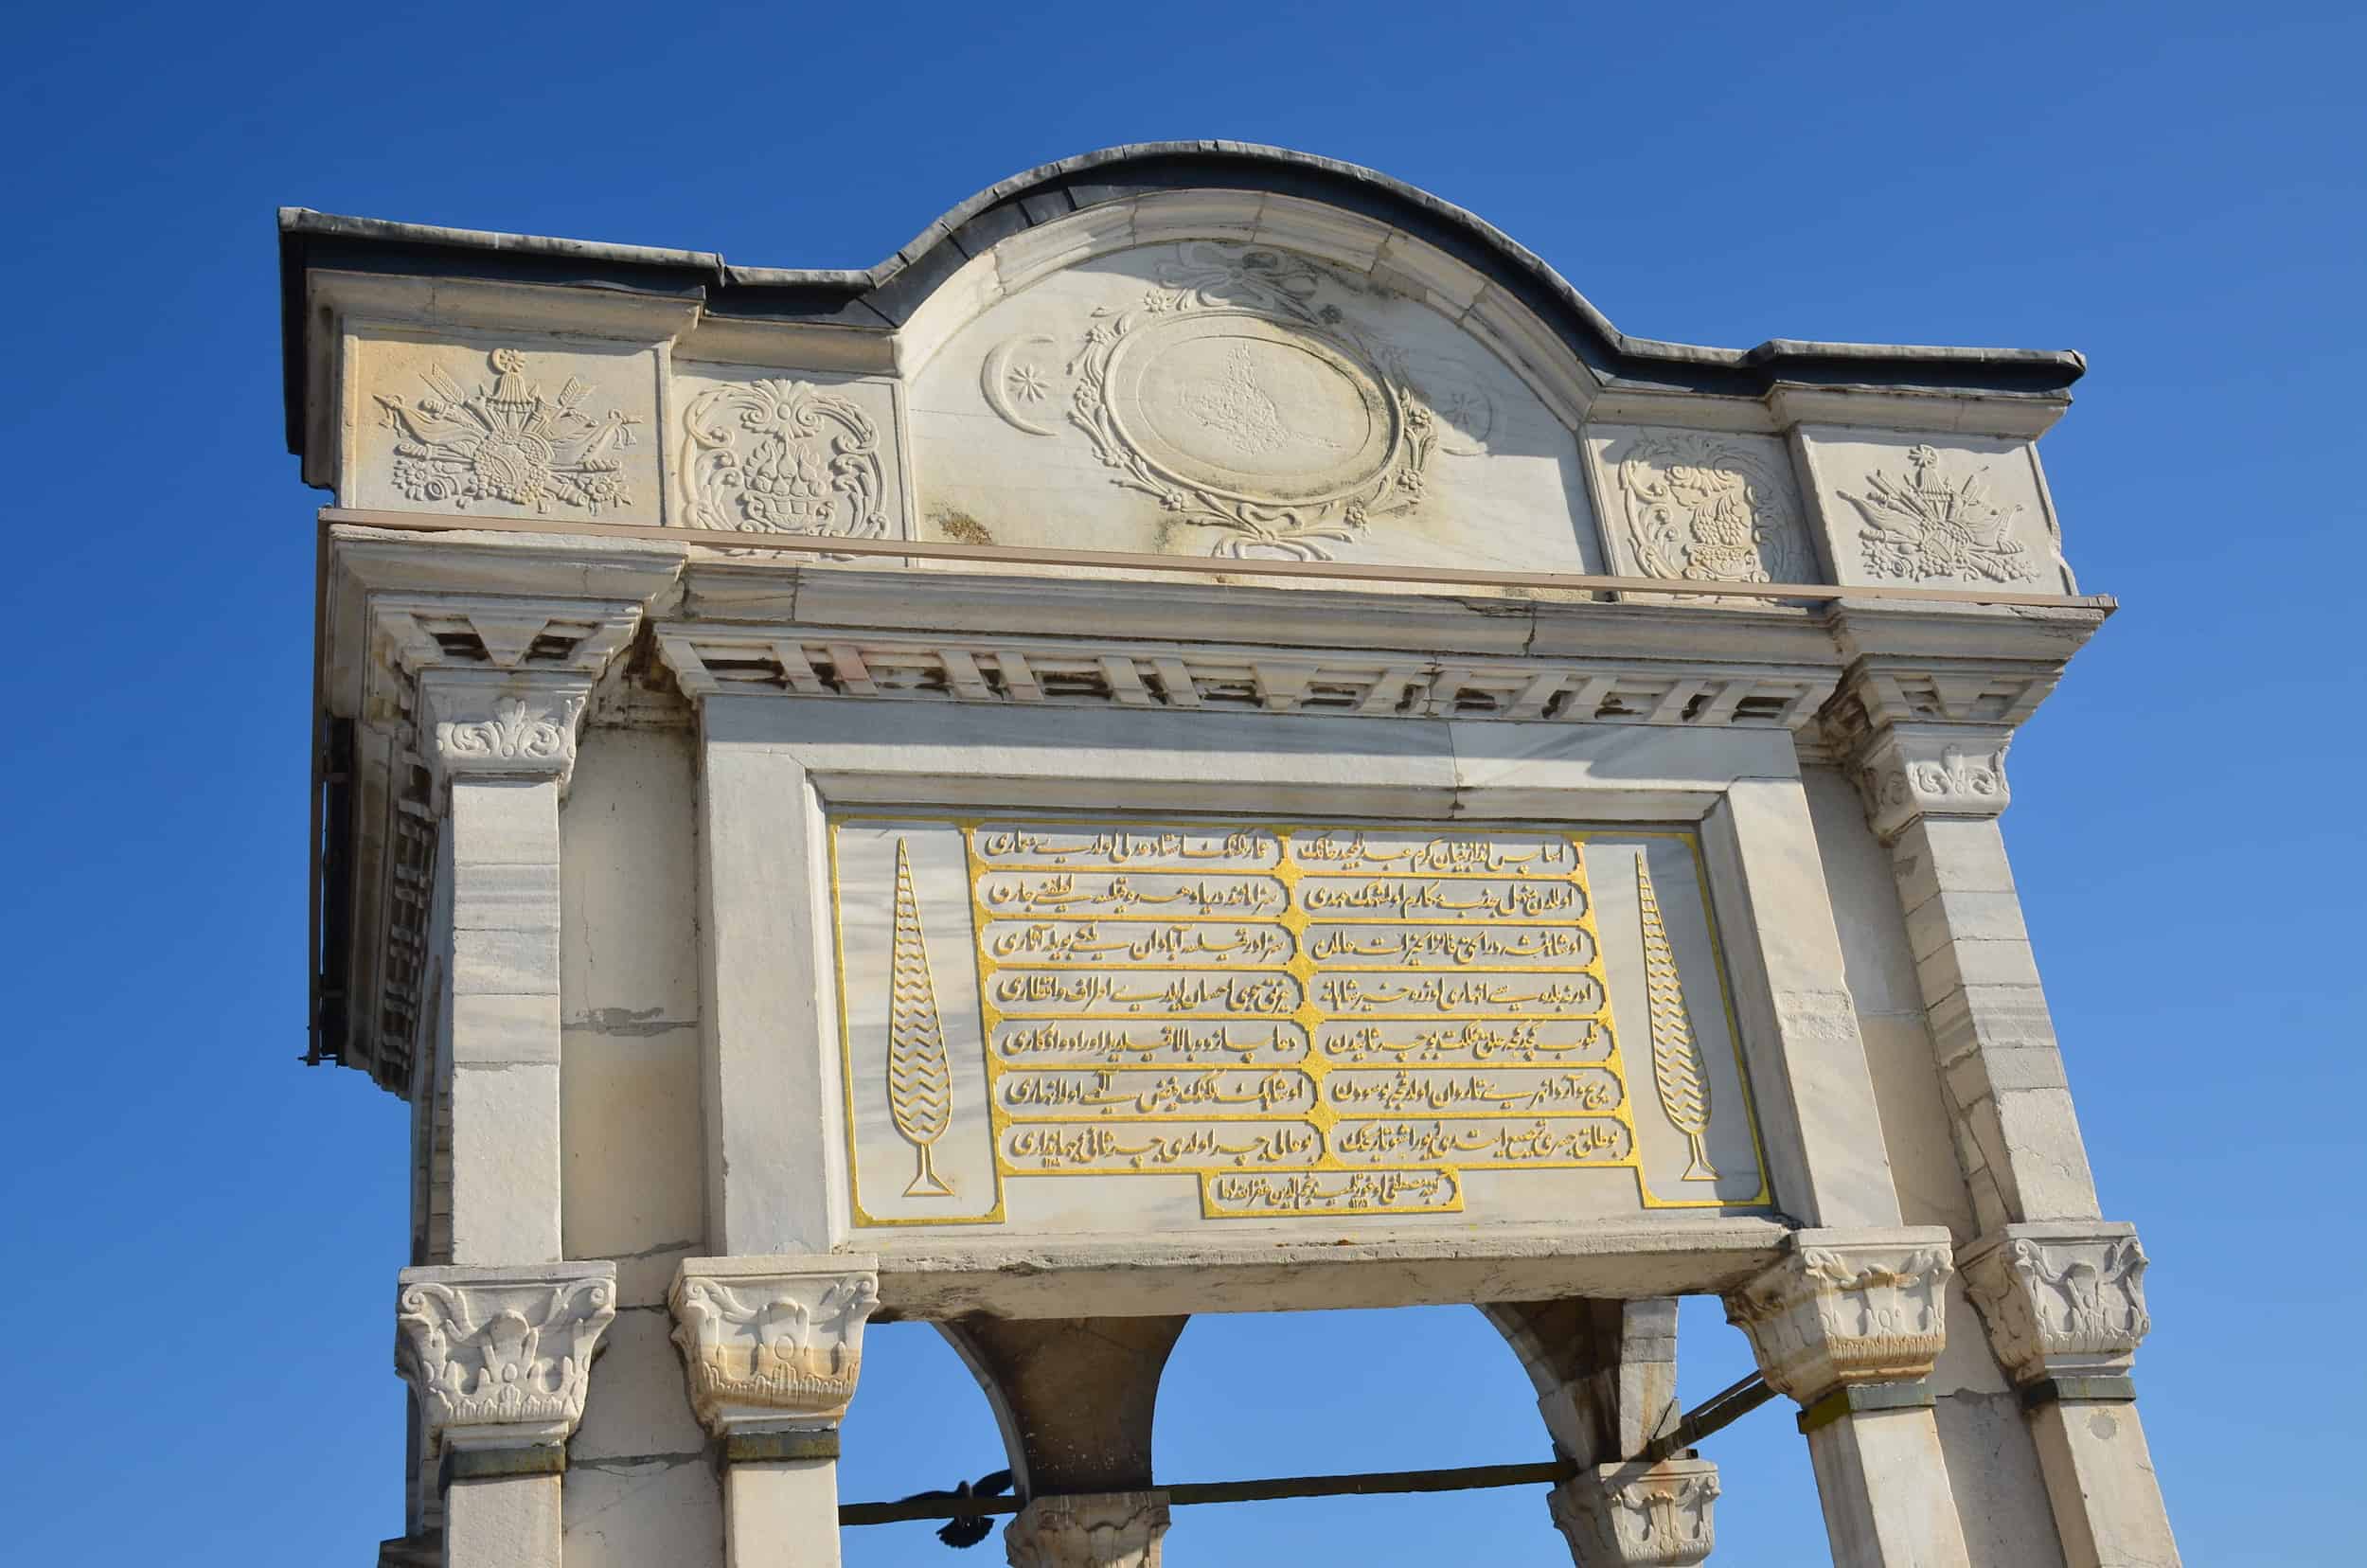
(782, 457)
(516, 733)
(1639, 1516)
(789, 1344)
(1926, 526)
(2060, 1304)
(508, 441)
(1093, 1530)
(1841, 1314)
(1706, 510)
(501, 1353)
(1242, 401)
(1901, 779)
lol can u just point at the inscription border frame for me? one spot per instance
(967, 819)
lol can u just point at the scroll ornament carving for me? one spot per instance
(1905, 776)
(785, 457)
(508, 441)
(519, 736)
(786, 1346)
(1924, 525)
(502, 1354)
(1093, 1530)
(1839, 1313)
(1639, 1516)
(1238, 400)
(2058, 1305)
(1709, 510)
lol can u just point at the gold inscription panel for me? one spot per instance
(1087, 1024)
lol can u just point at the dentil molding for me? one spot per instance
(2062, 1299)
(773, 1341)
(1636, 1515)
(502, 1355)
(1847, 1307)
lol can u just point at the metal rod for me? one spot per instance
(1128, 561)
(1721, 1410)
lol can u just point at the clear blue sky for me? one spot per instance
(205, 1234)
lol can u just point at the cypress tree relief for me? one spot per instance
(1684, 1093)
(920, 1084)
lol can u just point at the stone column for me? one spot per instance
(504, 744)
(499, 1360)
(2065, 1305)
(1848, 1325)
(774, 1346)
(2056, 1284)
(1606, 1378)
(1075, 1398)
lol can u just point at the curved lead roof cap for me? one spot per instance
(884, 296)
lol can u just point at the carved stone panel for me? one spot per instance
(507, 428)
(1077, 1025)
(1209, 397)
(786, 452)
(1936, 511)
(1701, 506)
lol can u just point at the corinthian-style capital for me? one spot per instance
(514, 725)
(773, 1341)
(502, 1357)
(1911, 771)
(1636, 1515)
(2062, 1299)
(1847, 1307)
(1092, 1530)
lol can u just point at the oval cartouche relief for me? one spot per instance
(1251, 408)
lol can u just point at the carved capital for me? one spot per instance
(1637, 1515)
(773, 1341)
(1092, 1530)
(1913, 771)
(517, 727)
(502, 1357)
(1847, 1307)
(2062, 1299)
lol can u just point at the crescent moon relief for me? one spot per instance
(1013, 384)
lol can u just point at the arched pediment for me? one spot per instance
(1236, 374)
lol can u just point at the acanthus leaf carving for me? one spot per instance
(508, 441)
(2062, 1299)
(783, 458)
(1089, 1530)
(1914, 771)
(1639, 1516)
(502, 1353)
(781, 1344)
(1840, 1311)
(1704, 508)
(1924, 525)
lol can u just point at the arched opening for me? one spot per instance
(918, 1424)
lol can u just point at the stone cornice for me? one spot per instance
(1847, 1307)
(502, 1357)
(809, 661)
(2061, 1298)
(773, 1341)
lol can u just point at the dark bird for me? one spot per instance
(967, 1529)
